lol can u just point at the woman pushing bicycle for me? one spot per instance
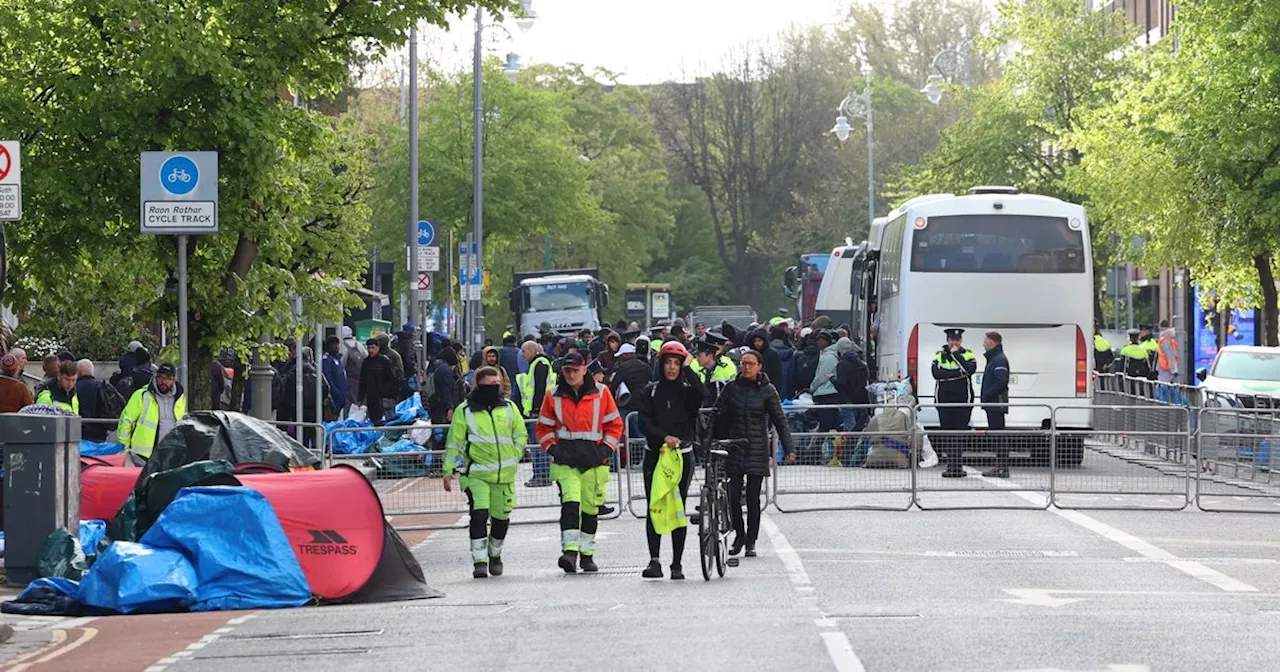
(668, 411)
(745, 409)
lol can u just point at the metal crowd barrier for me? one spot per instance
(413, 497)
(1234, 460)
(1133, 457)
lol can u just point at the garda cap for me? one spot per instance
(954, 333)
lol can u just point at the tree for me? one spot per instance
(1185, 157)
(743, 137)
(90, 83)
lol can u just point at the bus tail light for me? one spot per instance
(913, 356)
(1082, 364)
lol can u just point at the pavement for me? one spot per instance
(1016, 588)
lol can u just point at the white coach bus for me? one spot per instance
(993, 260)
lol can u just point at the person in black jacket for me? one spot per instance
(851, 386)
(745, 409)
(807, 362)
(379, 386)
(448, 392)
(995, 390)
(758, 340)
(669, 420)
(633, 372)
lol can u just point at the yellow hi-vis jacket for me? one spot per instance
(666, 511)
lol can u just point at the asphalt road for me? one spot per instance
(989, 589)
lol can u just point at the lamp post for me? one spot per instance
(949, 63)
(859, 106)
(510, 68)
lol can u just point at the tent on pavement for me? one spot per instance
(231, 437)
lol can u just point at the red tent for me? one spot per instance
(103, 489)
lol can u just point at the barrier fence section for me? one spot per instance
(405, 465)
(1235, 461)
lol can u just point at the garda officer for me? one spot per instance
(1102, 354)
(713, 369)
(953, 369)
(485, 445)
(1135, 363)
(63, 392)
(534, 385)
(581, 428)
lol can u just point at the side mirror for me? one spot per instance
(1202, 373)
(604, 295)
(512, 302)
(789, 282)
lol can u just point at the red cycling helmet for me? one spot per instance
(673, 349)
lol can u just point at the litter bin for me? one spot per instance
(367, 329)
(41, 486)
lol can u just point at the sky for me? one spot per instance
(647, 41)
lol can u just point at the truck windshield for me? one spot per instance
(560, 296)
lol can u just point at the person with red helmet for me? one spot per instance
(668, 410)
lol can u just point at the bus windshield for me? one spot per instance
(560, 296)
(997, 244)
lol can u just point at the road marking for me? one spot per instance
(1144, 548)
(74, 622)
(838, 646)
(1044, 597)
(193, 647)
(86, 634)
(58, 637)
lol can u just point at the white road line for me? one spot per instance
(1144, 548)
(839, 648)
(74, 622)
(192, 648)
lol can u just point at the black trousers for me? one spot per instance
(998, 442)
(677, 535)
(953, 421)
(752, 487)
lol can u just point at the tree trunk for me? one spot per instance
(198, 396)
(1270, 309)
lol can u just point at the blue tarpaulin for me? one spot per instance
(91, 449)
(134, 578)
(350, 443)
(408, 410)
(241, 555)
(91, 532)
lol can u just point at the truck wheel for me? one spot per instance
(1070, 451)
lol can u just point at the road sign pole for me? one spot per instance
(184, 363)
(415, 316)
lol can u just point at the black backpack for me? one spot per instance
(110, 401)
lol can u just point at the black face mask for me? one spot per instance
(489, 395)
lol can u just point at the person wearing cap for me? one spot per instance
(151, 414)
(62, 393)
(668, 420)
(1147, 339)
(658, 334)
(485, 446)
(953, 369)
(510, 357)
(1134, 358)
(580, 427)
(1102, 354)
(534, 384)
(14, 394)
(711, 368)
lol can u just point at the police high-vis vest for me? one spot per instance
(724, 371)
(141, 420)
(526, 383)
(1136, 364)
(46, 399)
(1100, 343)
(486, 444)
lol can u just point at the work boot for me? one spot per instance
(605, 510)
(1000, 471)
(677, 573)
(751, 550)
(537, 483)
(569, 562)
(495, 566)
(481, 571)
(653, 571)
(954, 473)
(737, 546)
(588, 563)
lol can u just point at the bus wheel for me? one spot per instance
(1070, 451)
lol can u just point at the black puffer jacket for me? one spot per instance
(745, 410)
(772, 365)
(636, 374)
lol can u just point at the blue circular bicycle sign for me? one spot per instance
(179, 175)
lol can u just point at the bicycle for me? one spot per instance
(714, 524)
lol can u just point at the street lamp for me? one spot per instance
(859, 106)
(950, 63)
(510, 69)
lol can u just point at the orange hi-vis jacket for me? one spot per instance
(580, 429)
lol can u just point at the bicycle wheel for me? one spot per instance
(708, 532)
(722, 530)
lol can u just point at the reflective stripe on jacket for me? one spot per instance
(141, 420)
(527, 383)
(1168, 346)
(46, 398)
(486, 444)
(580, 432)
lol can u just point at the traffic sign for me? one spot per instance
(179, 192)
(10, 181)
(429, 259)
(424, 280)
(426, 233)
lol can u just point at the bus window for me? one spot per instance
(997, 244)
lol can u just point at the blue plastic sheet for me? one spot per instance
(133, 578)
(91, 449)
(350, 443)
(241, 555)
(65, 586)
(91, 532)
(409, 410)
(402, 446)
